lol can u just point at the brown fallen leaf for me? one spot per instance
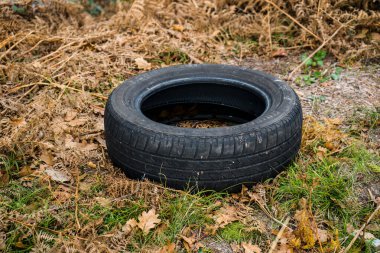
(46, 157)
(225, 216)
(148, 220)
(18, 122)
(321, 152)
(375, 36)
(362, 34)
(326, 84)
(370, 227)
(250, 248)
(62, 194)
(91, 165)
(20, 245)
(281, 52)
(77, 122)
(178, 28)
(103, 201)
(188, 242)
(168, 248)
(211, 229)
(330, 145)
(97, 109)
(4, 178)
(25, 171)
(58, 175)
(70, 115)
(235, 247)
(82, 146)
(323, 235)
(129, 226)
(143, 64)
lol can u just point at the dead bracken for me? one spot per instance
(59, 61)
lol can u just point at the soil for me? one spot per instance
(357, 87)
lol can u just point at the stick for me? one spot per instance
(274, 243)
(56, 85)
(47, 229)
(319, 48)
(76, 200)
(360, 230)
(14, 45)
(269, 31)
(6, 41)
(293, 19)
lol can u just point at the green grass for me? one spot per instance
(238, 232)
(171, 56)
(26, 199)
(116, 216)
(332, 186)
(9, 168)
(184, 211)
(319, 182)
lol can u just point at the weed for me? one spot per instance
(173, 56)
(336, 74)
(92, 7)
(316, 60)
(282, 39)
(314, 72)
(18, 10)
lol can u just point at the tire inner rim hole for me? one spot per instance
(203, 105)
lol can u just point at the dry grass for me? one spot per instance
(58, 64)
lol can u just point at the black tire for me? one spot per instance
(215, 158)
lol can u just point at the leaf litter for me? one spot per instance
(52, 107)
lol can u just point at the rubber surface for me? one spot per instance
(217, 158)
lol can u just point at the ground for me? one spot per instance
(59, 192)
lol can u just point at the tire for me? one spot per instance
(265, 138)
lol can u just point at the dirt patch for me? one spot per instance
(357, 87)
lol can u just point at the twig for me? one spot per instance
(319, 48)
(39, 42)
(26, 93)
(58, 66)
(192, 57)
(56, 51)
(56, 85)
(14, 45)
(360, 230)
(319, 6)
(6, 41)
(274, 243)
(269, 31)
(76, 200)
(47, 229)
(314, 223)
(195, 3)
(267, 212)
(293, 19)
